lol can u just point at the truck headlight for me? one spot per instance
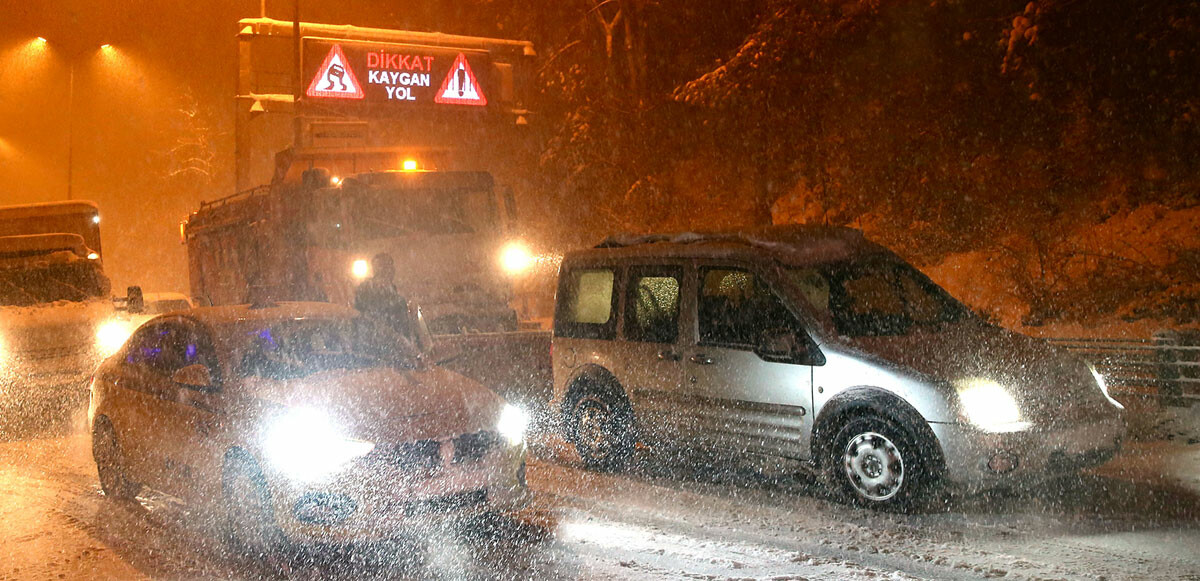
(111, 336)
(516, 259)
(512, 424)
(1103, 385)
(989, 405)
(304, 444)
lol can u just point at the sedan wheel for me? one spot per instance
(110, 464)
(251, 528)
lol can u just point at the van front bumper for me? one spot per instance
(976, 460)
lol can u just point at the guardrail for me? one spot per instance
(1165, 367)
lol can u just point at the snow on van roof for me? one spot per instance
(792, 243)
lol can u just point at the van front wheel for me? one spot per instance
(875, 463)
(602, 433)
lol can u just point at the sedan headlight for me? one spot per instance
(512, 424)
(989, 406)
(111, 336)
(1103, 385)
(305, 445)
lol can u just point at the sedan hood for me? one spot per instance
(386, 404)
(1049, 383)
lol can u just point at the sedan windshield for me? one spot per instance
(881, 297)
(298, 348)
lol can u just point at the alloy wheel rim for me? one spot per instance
(874, 466)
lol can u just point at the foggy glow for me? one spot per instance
(106, 47)
(409, 165)
(111, 336)
(333, 181)
(515, 258)
(990, 406)
(360, 269)
(512, 424)
(305, 445)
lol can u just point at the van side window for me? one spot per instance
(735, 307)
(586, 305)
(652, 304)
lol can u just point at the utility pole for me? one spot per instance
(70, 128)
(296, 128)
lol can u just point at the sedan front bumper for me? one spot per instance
(977, 460)
(369, 505)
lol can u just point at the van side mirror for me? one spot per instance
(783, 345)
(193, 377)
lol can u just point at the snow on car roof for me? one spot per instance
(228, 314)
(791, 243)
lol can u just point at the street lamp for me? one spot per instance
(72, 60)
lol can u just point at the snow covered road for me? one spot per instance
(1137, 518)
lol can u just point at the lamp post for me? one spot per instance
(72, 60)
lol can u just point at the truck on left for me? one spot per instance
(57, 319)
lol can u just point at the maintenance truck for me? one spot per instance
(389, 142)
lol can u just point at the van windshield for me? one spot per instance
(880, 297)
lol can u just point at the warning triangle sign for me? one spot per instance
(460, 86)
(335, 78)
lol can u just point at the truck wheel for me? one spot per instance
(110, 464)
(250, 527)
(875, 463)
(602, 432)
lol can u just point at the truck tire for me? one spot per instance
(602, 431)
(110, 463)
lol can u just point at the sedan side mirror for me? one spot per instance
(782, 345)
(194, 376)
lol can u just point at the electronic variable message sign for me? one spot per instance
(387, 77)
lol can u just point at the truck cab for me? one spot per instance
(54, 308)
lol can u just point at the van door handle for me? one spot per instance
(701, 359)
(668, 355)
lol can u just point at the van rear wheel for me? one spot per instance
(602, 432)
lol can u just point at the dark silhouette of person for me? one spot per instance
(377, 295)
(383, 324)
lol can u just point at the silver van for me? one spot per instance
(813, 344)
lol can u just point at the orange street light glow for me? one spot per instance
(42, 39)
(410, 165)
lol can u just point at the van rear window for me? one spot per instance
(586, 304)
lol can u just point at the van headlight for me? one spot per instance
(989, 405)
(512, 424)
(111, 336)
(1103, 385)
(305, 445)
